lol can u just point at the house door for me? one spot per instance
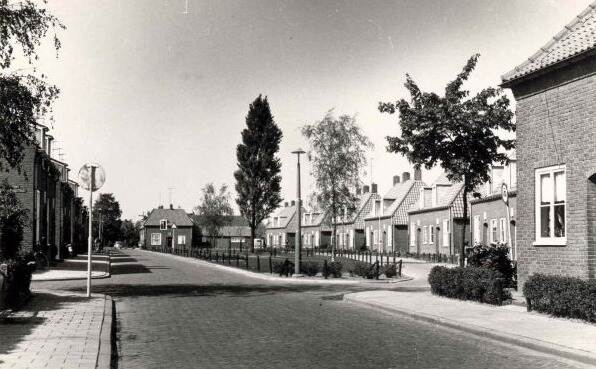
(591, 215)
(418, 241)
(170, 241)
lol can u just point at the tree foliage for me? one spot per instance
(460, 133)
(12, 220)
(337, 150)
(258, 180)
(129, 231)
(213, 209)
(107, 213)
(24, 99)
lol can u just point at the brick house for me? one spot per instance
(171, 228)
(436, 220)
(281, 226)
(555, 92)
(488, 211)
(316, 229)
(386, 225)
(35, 186)
(235, 234)
(351, 230)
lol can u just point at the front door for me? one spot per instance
(169, 241)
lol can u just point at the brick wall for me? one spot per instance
(556, 125)
(494, 208)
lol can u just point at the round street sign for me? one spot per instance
(504, 193)
(85, 176)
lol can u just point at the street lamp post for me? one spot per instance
(298, 251)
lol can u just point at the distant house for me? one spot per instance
(488, 211)
(316, 229)
(234, 234)
(171, 228)
(350, 228)
(555, 93)
(387, 223)
(281, 226)
(436, 221)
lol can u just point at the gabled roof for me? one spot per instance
(576, 38)
(286, 213)
(399, 194)
(362, 201)
(447, 199)
(173, 216)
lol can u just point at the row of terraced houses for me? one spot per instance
(56, 215)
(551, 225)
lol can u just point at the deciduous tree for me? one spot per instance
(460, 133)
(107, 213)
(257, 178)
(213, 210)
(337, 150)
(12, 220)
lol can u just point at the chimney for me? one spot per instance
(418, 174)
(160, 207)
(285, 204)
(395, 180)
(358, 191)
(171, 206)
(405, 176)
(373, 188)
(365, 189)
(293, 203)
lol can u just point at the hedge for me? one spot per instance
(309, 268)
(17, 280)
(561, 296)
(495, 257)
(469, 283)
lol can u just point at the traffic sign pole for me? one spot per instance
(90, 240)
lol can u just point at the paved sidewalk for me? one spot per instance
(67, 275)
(567, 338)
(58, 330)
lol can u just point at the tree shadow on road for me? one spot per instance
(240, 290)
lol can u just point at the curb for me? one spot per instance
(104, 353)
(509, 338)
(272, 278)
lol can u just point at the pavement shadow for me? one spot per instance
(123, 259)
(193, 290)
(129, 269)
(17, 326)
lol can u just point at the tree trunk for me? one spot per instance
(333, 236)
(252, 239)
(462, 250)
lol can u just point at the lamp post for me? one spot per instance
(298, 250)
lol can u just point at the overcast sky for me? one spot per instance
(157, 91)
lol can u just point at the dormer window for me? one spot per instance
(163, 224)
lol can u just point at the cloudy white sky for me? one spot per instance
(157, 91)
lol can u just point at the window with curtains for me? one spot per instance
(503, 230)
(155, 239)
(413, 234)
(446, 232)
(551, 203)
(493, 230)
(425, 234)
(476, 225)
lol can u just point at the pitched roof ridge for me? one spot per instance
(567, 30)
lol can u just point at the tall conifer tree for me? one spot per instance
(258, 180)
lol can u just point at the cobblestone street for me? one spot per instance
(176, 314)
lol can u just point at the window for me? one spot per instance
(446, 232)
(550, 205)
(493, 230)
(503, 230)
(181, 239)
(425, 234)
(163, 224)
(476, 226)
(155, 239)
(432, 234)
(413, 234)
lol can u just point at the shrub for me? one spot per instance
(390, 270)
(365, 270)
(495, 257)
(17, 274)
(310, 268)
(471, 283)
(285, 267)
(333, 269)
(562, 296)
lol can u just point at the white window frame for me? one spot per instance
(552, 240)
(181, 239)
(446, 232)
(154, 237)
(503, 230)
(412, 234)
(425, 235)
(476, 225)
(493, 231)
(163, 222)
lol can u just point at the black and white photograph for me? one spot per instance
(383, 184)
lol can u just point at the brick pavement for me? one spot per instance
(54, 330)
